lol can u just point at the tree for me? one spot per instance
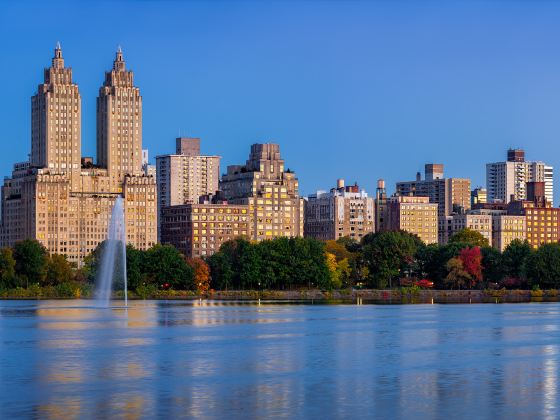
(338, 249)
(388, 254)
(221, 268)
(543, 266)
(58, 270)
(457, 275)
(164, 264)
(134, 275)
(7, 268)
(336, 282)
(31, 261)
(469, 237)
(472, 264)
(492, 263)
(201, 274)
(514, 259)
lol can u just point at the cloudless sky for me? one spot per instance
(359, 90)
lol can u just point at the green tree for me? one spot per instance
(7, 268)
(59, 270)
(221, 267)
(165, 264)
(492, 271)
(515, 258)
(543, 266)
(134, 275)
(457, 275)
(433, 261)
(469, 237)
(388, 254)
(31, 261)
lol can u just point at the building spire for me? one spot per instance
(118, 64)
(58, 61)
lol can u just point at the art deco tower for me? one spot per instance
(56, 121)
(119, 124)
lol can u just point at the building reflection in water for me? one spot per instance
(219, 359)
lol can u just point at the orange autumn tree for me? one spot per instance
(472, 264)
(201, 274)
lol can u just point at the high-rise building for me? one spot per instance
(119, 124)
(479, 196)
(56, 113)
(187, 146)
(542, 220)
(147, 169)
(198, 230)
(506, 228)
(343, 211)
(414, 215)
(453, 195)
(184, 178)
(507, 181)
(60, 202)
(381, 212)
(474, 220)
(270, 191)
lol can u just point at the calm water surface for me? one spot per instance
(243, 360)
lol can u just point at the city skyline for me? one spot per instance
(250, 99)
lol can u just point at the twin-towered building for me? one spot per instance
(64, 199)
(61, 198)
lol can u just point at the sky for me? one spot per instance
(359, 90)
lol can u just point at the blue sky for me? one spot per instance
(360, 90)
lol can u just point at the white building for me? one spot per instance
(508, 179)
(182, 179)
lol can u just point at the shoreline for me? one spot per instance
(387, 296)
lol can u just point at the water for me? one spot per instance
(244, 360)
(113, 257)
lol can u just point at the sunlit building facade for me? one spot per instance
(270, 191)
(64, 202)
(414, 215)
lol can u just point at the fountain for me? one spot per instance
(113, 257)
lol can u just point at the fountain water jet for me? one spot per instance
(113, 257)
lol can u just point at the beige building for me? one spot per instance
(67, 208)
(198, 230)
(344, 211)
(506, 228)
(453, 195)
(414, 215)
(187, 175)
(481, 223)
(270, 191)
(381, 211)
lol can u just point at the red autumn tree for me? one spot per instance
(472, 264)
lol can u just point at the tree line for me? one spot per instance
(378, 261)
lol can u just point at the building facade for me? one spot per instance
(414, 215)
(481, 223)
(187, 175)
(60, 202)
(478, 196)
(453, 195)
(507, 181)
(380, 206)
(270, 191)
(345, 211)
(507, 228)
(198, 230)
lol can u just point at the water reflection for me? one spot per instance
(230, 359)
